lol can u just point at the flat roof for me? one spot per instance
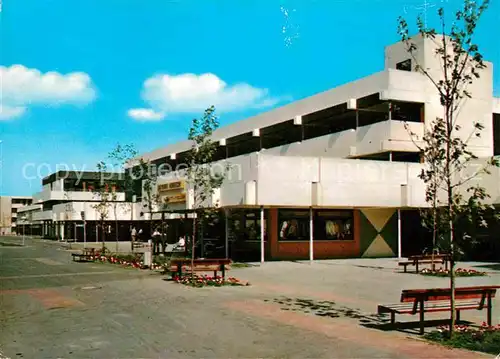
(86, 175)
(375, 83)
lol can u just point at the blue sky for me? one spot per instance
(115, 46)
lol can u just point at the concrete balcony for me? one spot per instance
(387, 136)
(42, 216)
(48, 195)
(29, 208)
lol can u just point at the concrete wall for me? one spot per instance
(5, 215)
(71, 211)
(57, 195)
(478, 108)
(288, 181)
(378, 137)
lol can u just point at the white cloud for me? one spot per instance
(8, 112)
(191, 93)
(22, 87)
(145, 114)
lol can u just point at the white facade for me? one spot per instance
(322, 171)
(56, 204)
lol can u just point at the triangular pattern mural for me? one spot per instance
(378, 247)
(378, 232)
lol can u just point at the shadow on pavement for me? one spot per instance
(332, 310)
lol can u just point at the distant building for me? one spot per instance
(69, 197)
(9, 206)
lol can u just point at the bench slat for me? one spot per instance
(430, 306)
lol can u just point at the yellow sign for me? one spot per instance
(172, 186)
(176, 198)
(172, 192)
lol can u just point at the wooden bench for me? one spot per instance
(87, 255)
(420, 301)
(179, 266)
(419, 262)
(425, 259)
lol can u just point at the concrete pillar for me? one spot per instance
(226, 232)
(61, 226)
(311, 235)
(148, 254)
(262, 234)
(399, 233)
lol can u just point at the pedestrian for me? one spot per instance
(133, 235)
(156, 241)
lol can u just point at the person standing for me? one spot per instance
(133, 235)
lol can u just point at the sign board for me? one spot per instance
(172, 186)
(173, 192)
(176, 198)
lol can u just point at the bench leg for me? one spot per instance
(223, 270)
(489, 310)
(393, 318)
(416, 267)
(215, 273)
(179, 270)
(422, 330)
(457, 317)
(404, 268)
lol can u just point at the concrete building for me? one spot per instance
(334, 174)
(9, 206)
(69, 198)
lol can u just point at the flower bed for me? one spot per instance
(484, 339)
(126, 260)
(207, 281)
(459, 272)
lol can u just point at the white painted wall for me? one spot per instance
(378, 137)
(55, 195)
(71, 211)
(287, 181)
(478, 108)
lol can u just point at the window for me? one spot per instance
(496, 134)
(293, 225)
(333, 225)
(244, 225)
(404, 65)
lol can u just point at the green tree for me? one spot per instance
(450, 191)
(203, 179)
(147, 173)
(120, 156)
(105, 196)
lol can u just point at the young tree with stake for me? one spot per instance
(105, 196)
(452, 194)
(119, 157)
(201, 177)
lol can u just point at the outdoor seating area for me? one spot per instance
(418, 260)
(86, 255)
(178, 266)
(421, 301)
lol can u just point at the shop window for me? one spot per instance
(333, 225)
(404, 65)
(293, 225)
(245, 226)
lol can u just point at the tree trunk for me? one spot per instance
(452, 281)
(193, 240)
(116, 233)
(103, 237)
(434, 230)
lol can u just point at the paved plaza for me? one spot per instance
(52, 307)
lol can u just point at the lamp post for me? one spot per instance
(24, 227)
